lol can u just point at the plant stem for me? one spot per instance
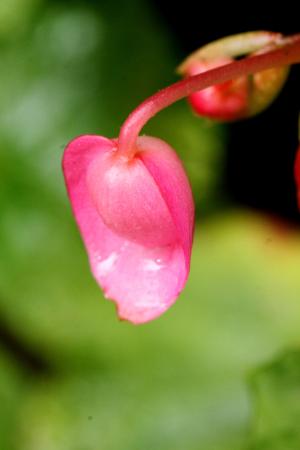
(287, 54)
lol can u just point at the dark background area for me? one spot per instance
(261, 150)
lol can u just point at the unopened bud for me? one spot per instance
(241, 97)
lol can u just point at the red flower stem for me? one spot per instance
(287, 54)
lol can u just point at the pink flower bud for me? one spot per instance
(240, 97)
(136, 219)
(131, 197)
(226, 101)
(297, 175)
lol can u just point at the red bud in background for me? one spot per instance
(226, 101)
(244, 96)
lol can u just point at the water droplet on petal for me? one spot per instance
(105, 266)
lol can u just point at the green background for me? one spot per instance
(72, 377)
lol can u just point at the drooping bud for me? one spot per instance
(136, 219)
(241, 97)
(131, 197)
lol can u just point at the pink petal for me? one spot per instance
(129, 201)
(142, 275)
(167, 171)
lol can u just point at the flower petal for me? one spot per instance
(167, 171)
(143, 281)
(129, 200)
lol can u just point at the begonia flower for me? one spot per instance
(132, 200)
(136, 218)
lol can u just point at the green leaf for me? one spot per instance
(276, 391)
(12, 388)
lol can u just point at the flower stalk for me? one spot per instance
(131, 197)
(286, 52)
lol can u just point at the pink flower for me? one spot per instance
(136, 219)
(131, 197)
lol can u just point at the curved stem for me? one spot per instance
(287, 54)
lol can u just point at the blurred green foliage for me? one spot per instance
(70, 68)
(277, 393)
